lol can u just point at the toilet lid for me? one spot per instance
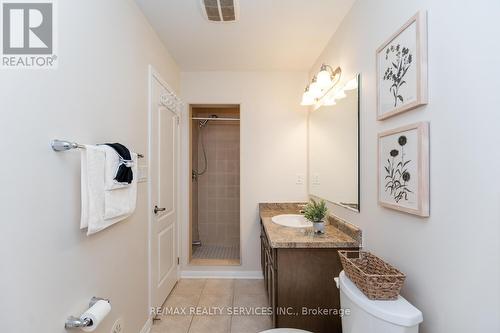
(399, 312)
(285, 330)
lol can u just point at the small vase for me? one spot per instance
(319, 227)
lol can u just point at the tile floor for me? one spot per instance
(216, 252)
(216, 295)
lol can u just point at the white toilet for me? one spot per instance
(285, 330)
(367, 316)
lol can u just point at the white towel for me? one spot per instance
(122, 200)
(84, 189)
(93, 216)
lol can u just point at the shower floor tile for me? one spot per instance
(216, 252)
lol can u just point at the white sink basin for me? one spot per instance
(291, 220)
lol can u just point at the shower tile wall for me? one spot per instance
(219, 188)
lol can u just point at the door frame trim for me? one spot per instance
(153, 74)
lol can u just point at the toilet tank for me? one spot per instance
(366, 315)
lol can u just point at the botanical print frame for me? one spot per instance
(403, 169)
(402, 69)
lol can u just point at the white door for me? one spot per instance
(164, 125)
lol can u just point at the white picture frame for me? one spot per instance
(403, 169)
(402, 69)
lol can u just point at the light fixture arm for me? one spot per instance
(335, 74)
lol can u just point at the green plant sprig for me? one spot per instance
(315, 211)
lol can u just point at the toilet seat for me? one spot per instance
(285, 330)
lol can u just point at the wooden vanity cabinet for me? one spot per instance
(297, 278)
(268, 270)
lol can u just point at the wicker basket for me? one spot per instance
(374, 277)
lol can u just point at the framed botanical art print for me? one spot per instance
(403, 169)
(402, 69)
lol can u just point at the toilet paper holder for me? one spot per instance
(75, 322)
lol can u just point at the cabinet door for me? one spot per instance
(271, 285)
(304, 278)
(268, 281)
(263, 257)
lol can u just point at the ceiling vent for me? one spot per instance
(220, 10)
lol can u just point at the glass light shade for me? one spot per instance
(330, 101)
(307, 98)
(315, 89)
(351, 85)
(339, 94)
(324, 78)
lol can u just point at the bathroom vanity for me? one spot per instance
(299, 269)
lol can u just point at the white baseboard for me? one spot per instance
(221, 274)
(147, 326)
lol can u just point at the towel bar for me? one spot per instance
(63, 145)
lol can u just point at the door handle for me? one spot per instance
(158, 209)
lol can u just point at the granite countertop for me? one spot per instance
(338, 233)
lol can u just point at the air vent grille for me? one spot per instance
(220, 10)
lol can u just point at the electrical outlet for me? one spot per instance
(117, 326)
(300, 179)
(315, 179)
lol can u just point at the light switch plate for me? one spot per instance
(142, 170)
(300, 179)
(315, 179)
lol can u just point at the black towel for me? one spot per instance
(124, 173)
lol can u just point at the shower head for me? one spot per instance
(203, 123)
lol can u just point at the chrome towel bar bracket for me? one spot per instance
(63, 145)
(75, 322)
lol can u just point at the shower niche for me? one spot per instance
(215, 185)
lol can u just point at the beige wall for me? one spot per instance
(273, 145)
(99, 93)
(452, 258)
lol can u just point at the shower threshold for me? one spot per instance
(216, 255)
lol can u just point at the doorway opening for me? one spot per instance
(215, 185)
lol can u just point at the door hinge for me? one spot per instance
(178, 120)
(178, 261)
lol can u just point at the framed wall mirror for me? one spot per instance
(334, 148)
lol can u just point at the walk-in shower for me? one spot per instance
(215, 185)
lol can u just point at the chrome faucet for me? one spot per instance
(302, 206)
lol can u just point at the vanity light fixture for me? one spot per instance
(328, 76)
(315, 89)
(330, 101)
(321, 84)
(351, 85)
(307, 98)
(339, 94)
